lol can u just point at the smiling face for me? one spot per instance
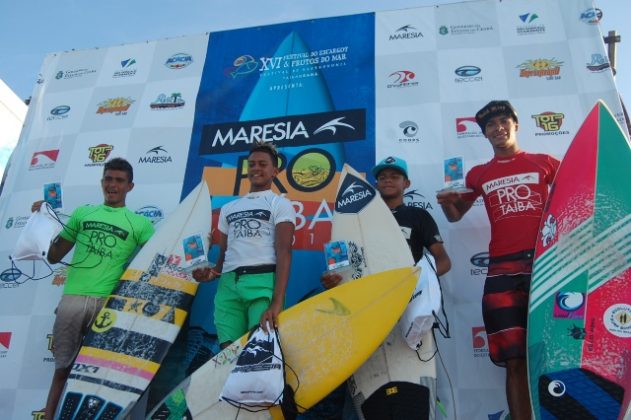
(391, 183)
(115, 185)
(501, 131)
(261, 171)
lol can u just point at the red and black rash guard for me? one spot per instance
(515, 190)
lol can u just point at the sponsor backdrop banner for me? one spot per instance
(351, 89)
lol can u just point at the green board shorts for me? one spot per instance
(240, 301)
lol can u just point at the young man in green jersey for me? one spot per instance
(105, 237)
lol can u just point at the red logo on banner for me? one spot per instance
(464, 124)
(479, 337)
(402, 76)
(5, 340)
(44, 159)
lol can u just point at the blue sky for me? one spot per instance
(30, 29)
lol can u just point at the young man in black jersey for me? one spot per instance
(417, 225)
(420, 231)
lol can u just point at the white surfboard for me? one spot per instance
(141, 318)
(394, 379)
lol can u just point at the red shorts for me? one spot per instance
(505, 312)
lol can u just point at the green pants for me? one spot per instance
(240, 301)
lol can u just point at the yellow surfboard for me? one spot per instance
(325, 339)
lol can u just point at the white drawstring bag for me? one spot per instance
(258, 379)
(419, 315)
(40, 229)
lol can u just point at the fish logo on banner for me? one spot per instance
(354, 195)
(241, 66)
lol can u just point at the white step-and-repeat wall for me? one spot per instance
(349, 89)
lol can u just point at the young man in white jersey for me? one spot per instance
(255, 243)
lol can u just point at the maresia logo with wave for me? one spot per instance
(406, 32)
(292, 130)
(354, 195)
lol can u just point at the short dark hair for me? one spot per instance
(120, 164)
(264, 147)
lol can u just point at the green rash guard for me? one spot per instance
(105, 238)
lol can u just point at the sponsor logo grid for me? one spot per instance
(338, 125)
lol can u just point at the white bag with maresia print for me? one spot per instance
(419, 315)
(258, 378)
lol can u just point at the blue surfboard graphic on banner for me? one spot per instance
(302, 95)
(307, 87)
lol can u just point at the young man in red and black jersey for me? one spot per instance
(514, 186)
